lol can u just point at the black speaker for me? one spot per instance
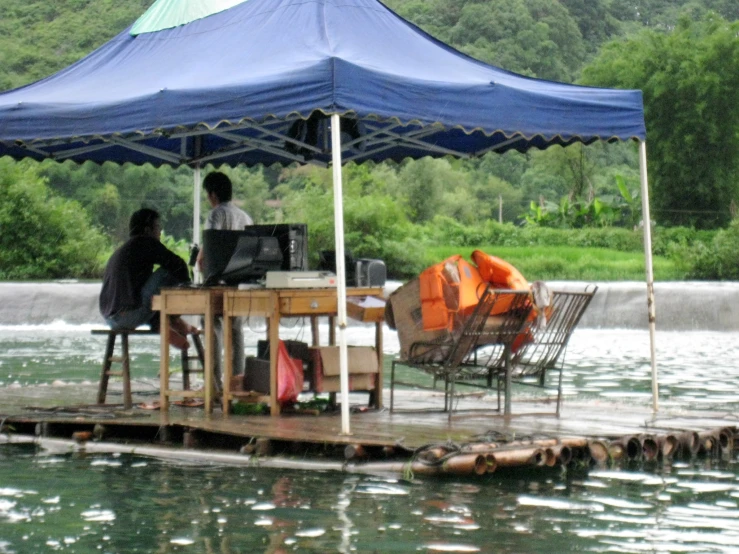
(370, 273)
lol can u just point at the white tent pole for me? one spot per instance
(340, 271)
(647, 220)
(196, 194)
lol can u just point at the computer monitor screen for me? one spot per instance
(234, 257)
(293, 241)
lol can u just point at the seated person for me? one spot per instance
(129, 282)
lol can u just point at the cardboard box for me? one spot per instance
(362, 360)
(365, 308)
(363, 367)
(403, 313)
(364, 382)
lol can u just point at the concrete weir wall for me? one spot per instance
(708, 306)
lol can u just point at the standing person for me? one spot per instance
(225, 216)
(130, 282)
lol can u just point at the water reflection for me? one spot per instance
(111, 503)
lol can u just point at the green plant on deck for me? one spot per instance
(249, 408)
(408, 474)
(316, 403)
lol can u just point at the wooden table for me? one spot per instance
(272, 304)
(204, 301)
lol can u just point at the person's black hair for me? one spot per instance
(140, 220)
(219, 184)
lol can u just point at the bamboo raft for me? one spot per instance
(477, 441)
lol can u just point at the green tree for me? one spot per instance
(533, 37)
(421, 187)
(38, 37)
(43, 236)
(691, 103)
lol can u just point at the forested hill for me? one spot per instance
(682, 54)
(549, 39)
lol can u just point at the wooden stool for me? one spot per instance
(125, 360)
(187, 361)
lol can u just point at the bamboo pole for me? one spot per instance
(520, 457)
(491, 463)
(599, 451)
(726, 439)
(669, 446)
(649, 447)
(626, 447)
(708, 442)
(558, 455)
(355, 451)
(465, 464)
(689, 443)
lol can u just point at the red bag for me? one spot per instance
(289, 376)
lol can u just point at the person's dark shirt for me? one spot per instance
(128, 269)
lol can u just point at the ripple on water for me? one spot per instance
(380, 489)
(98, 515)
(620, 503)
(182, 541)
(311, 533)
(437, 547)
(559, 504)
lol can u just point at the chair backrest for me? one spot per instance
(550, 340)
(481, 329)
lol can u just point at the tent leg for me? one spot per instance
(340, 271)
(649, 270)
(196, 194)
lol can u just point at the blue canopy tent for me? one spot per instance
(272, 81)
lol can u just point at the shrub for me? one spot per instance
(714, 260)
(43, 236)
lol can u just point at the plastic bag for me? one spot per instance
(289, 376)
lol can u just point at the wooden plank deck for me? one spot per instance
(426, 424)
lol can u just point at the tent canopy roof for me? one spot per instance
(237, 86)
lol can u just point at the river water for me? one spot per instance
(54, 502)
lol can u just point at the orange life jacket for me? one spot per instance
(499, 272)
(448, 288)
(503, 275)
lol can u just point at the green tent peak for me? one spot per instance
(166, 14)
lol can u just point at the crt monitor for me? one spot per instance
(234, 257)
(292, 239)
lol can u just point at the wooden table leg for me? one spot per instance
(380, 362)
(164, 360)
(227, 359)
(273, 323)
(315, 331)
(208, 362)
(331, 330)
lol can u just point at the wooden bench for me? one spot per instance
(125, 360)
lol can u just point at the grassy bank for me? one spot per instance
(553, 263)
